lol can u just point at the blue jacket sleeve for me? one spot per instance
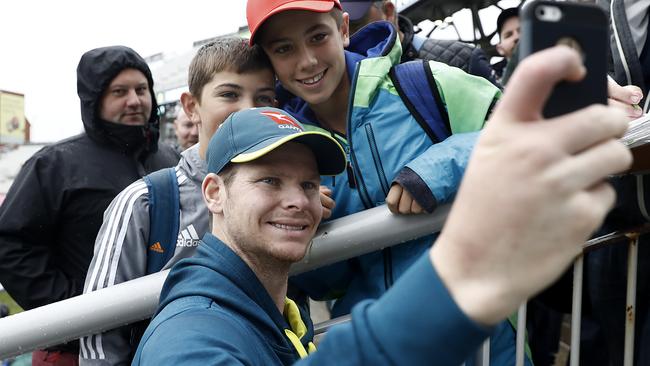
(415, 322)
(440, 168)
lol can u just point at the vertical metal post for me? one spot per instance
(631, 300)
(576, 311)
(521, 334)
(483, 355)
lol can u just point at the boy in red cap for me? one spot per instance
(344, 85)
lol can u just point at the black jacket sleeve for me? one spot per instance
(28, 221)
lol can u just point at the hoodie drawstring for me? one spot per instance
(298, 329)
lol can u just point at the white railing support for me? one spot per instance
(128, 302)
(521, 334)
(576, 311)
(630, 307)
(483, 355)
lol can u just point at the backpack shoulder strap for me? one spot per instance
(416, 86)
(163, 217)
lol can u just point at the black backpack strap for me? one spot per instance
(416, 86)
(164, 217)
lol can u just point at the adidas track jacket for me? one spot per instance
(120, 252)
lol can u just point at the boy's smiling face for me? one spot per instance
(306, 50)
(226, 93)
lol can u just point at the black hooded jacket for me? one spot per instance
(54, 209)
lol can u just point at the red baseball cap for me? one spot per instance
(258, 11)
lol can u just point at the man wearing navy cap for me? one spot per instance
(227, 305)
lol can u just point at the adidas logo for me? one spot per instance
(188, 237)
(156, 247)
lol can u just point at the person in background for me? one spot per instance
(224, 76)
(187, 132)
(465, 56)
(54, 208)
(508, 31)
(606, 268)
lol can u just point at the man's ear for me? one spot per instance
(390, 11)
(345, 29)
(214, 193)
(190, 104)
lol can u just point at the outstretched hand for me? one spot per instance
(533, 192)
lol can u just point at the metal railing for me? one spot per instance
(348, 237)
(135, 300)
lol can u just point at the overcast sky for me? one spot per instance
(41, 42)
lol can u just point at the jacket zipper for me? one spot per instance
(354, 167)
(375, 157)
(358, 179)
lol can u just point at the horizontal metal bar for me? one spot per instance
(81, 315)
(615, 237)
(326, 325)
(131, 301)
(108, 308)
(366, 232)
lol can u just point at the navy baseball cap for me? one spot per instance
(357, 8)
(505, 15)
(249, 134)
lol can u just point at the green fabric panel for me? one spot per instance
(466, 97)
(395, 54)
(373, 75)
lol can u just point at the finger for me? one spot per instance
(578, 130)
(405, 202)
(325, 190)
(591, 166)
(629, 94)
(632, 111)
(327, 201)
(535, 73)
(327, 213)
(416, 208)
(392, 199)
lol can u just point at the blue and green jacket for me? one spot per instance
(386, 145)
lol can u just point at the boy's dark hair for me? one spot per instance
(504, 16)
(224, 53)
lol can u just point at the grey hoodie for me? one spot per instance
(121, 249)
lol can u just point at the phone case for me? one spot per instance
(585, 23)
